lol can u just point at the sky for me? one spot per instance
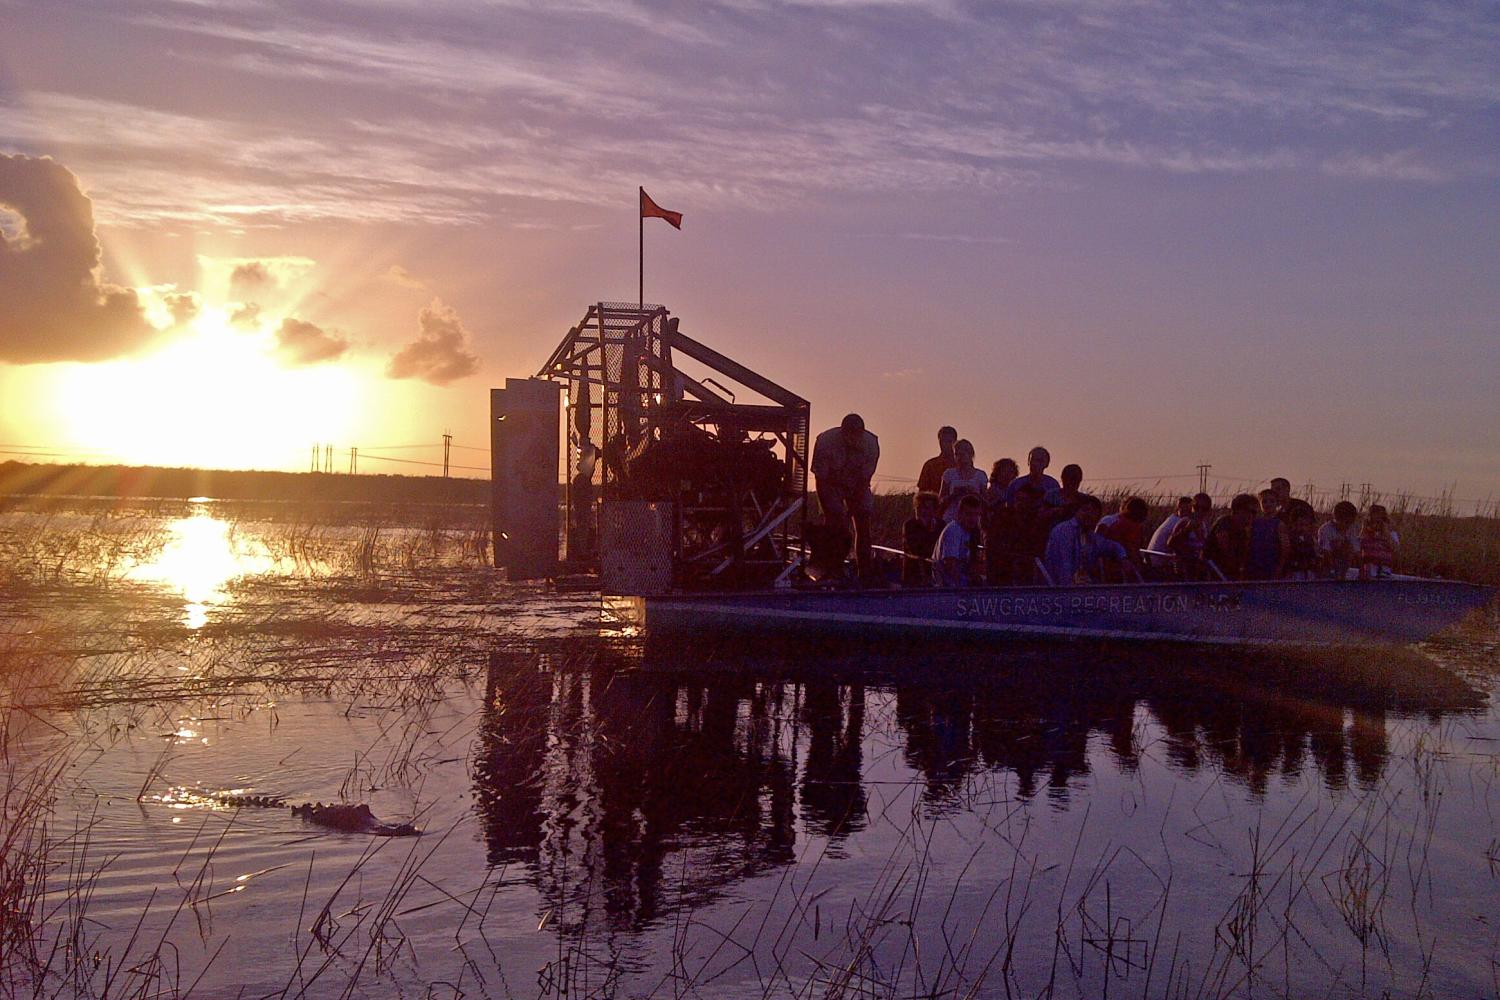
(1148, 235)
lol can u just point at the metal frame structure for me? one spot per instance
(625, 393)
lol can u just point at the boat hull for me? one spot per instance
(1304, 613)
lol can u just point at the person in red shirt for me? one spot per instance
(1128, 527)
(931, 478)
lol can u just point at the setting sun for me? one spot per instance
(212, 396)
(770, 498)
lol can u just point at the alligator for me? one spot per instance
(248, 801)
(352, 819)
(334, 816)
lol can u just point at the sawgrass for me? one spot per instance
(923, 925)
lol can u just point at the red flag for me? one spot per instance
(651, 210)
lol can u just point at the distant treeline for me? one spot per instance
(23, 479)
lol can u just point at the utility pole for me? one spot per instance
(1203, 477)
(353, 461)
(313, 466)
(1366, 494)
(447, 446)
(328, 458)
(1343, 491)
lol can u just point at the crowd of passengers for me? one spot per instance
(1009, 527)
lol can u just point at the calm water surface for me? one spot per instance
(606, 815)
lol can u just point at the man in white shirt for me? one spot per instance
(955, 558)
(843, 463)
(1338, 541)
(1163, 532)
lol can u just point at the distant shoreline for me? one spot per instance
(22, 479)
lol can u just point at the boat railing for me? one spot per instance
(1041, 569)
(1172, 559)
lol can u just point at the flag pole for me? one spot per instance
(641, 259)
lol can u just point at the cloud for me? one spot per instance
(901, 374)
(166, 307)
(1398, 166)
(440, 354)
(398, 275)
(246, 315)
(966, 239)
(304, 343)
(251, 276)
(184, 306)
(252, 279)
(53, 304)
(429, 111)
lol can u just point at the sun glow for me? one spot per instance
(200, 559)
(214, 396)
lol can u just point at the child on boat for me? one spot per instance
(1302, 542)
(1338, 541)
(919, 536)
(1378, 544)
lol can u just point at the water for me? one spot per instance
(609, 815)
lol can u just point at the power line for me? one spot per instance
(322, 460)
(431, 465)
(398, 447)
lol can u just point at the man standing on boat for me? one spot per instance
(931, 478)
(1037, 461)
(843, 462)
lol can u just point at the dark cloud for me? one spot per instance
(251, 276)
(184, 306)
(440, 354)
(304, 343)
(53, 305)
(246, 315)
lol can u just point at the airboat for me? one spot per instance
(684, 494)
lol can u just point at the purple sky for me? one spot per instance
(1260, 235)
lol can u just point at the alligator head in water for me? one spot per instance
(351, 819)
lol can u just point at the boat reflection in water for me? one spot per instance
(626, 779)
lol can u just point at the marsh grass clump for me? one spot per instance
(111, 548)
(91, 550)
(30, 768)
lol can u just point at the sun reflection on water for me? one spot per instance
(201, 557)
